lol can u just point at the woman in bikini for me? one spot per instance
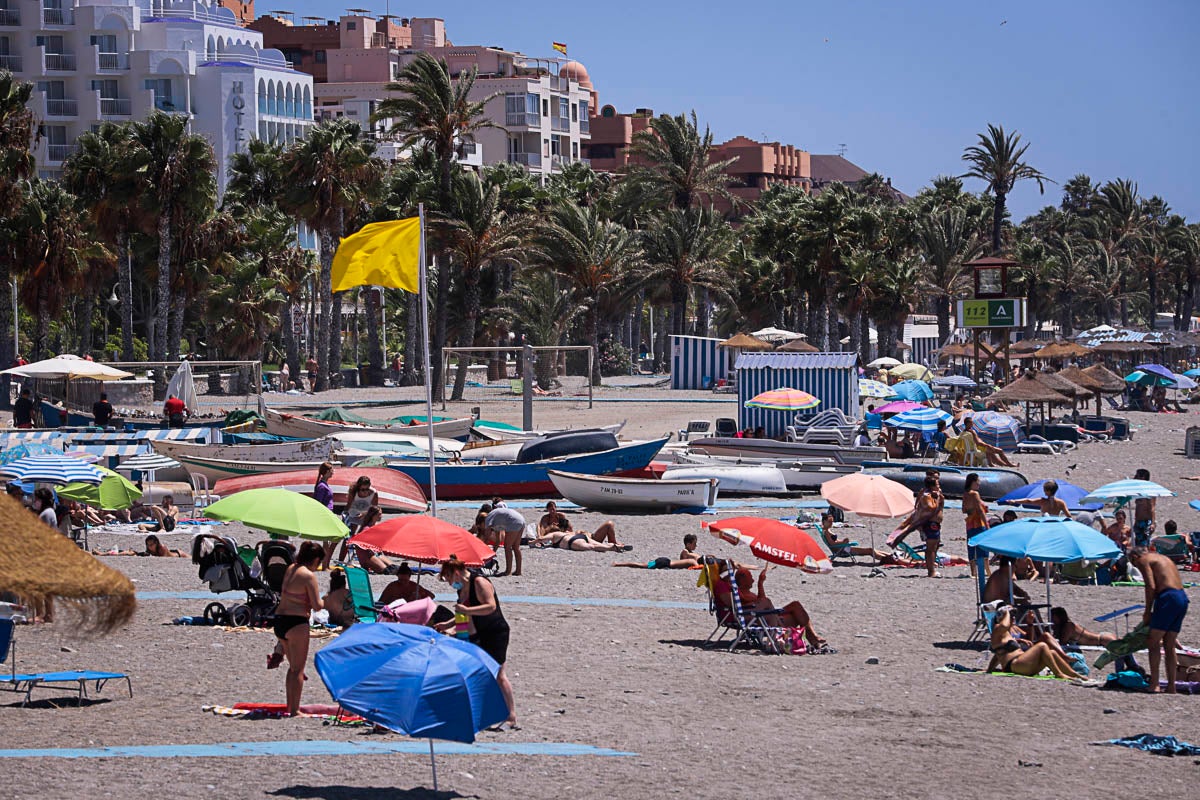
(1007, 655)
(300, 596)
(1070, 633)
(574, 540)
(976, 512)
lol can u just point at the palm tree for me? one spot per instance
(893, 294)
(98, 174)
(255, 175)
(687, 250)
(1067, 275)
(435, 111)
(481, 235)
(674, 163)
(327, 174)
(997, 160)
(1117, 223)
(828, 231)
(594, 256)
(947, 241)
(545, 310)
(16, 164)
(176, 173)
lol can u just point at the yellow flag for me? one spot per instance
(560, 47)
(381, 254)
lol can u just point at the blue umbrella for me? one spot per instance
(1157, 369)
(919, 419)
(1069, 493)
(1193, 373)
(998, 430)
(1148, 379)
(917, 391)
(413, 680)
(1185, 382)
(28, 449)
(52, 469)
(955, 380)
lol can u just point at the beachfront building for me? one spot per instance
(119, 60)
(542, 107)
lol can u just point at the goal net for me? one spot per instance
(475, 374)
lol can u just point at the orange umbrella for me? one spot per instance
(774, 541)
(424, 539)
(868, 495)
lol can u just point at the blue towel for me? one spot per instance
(1158, 745)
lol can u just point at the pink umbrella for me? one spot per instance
(869, 496)
(897, 406)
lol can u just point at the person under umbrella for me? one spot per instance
(995, 456)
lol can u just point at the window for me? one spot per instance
(56, 134)
(53, 44)
(545, 105)
(106, 88)
(556, 145)
(106, 43)
(574, 113)
(575, 150)
(319, 56)
(55, 90)
(351, 25)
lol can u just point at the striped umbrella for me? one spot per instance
(955, 380)
(998, 430)
(52, 469)
(919, 419)
(147, 462)
(784, 399)
(1122, 491)
(916, 391)
(877, 389)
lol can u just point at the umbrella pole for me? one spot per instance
(433, 765)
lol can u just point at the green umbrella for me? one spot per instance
(114, 492)
(281, 512)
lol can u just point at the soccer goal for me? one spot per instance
(499, 373)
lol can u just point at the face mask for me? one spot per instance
(457, 585)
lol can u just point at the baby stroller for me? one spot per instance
(222, 567)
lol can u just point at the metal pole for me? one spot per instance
(16, 323)
(591, 366)
(424, 288)
(527, 388)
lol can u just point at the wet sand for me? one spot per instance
(632, 676)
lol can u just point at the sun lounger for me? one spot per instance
(25, 683)
(358, 583)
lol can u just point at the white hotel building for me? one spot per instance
(119, 60)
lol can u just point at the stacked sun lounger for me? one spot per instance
(831, 426)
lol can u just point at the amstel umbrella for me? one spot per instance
(783, 399)
(425, 539)
(774, 541)
(280, 512)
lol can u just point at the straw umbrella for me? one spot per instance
(1062, 350)
(1109, 382)
(744, 341)
(103, 596)
(796, 346)
(1028, 389)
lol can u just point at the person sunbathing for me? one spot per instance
(792, 615)
(553, 519)
(574, 540)
(338, 601)
(994, 455)
(1071, 633)
(165, 516)
(1009, 656)
(83, 515)
(688, 558)
(154, 547)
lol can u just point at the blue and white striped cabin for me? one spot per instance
(832, 377)
(694, 358)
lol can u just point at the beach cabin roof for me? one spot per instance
(784, 360)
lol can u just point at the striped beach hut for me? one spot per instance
(833, 377)
(923, 339)
(694, 358)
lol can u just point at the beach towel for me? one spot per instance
(1158, 745)
(1128, 644)
(323, 711)
(959, 669)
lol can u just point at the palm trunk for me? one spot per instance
(324, 297)
(7, 353)
(679, 298)
(412, 330)
(439, 327)
(291, 345)
(942, 309)
(660, 336)
(162, 308)
(635, 327)
(856, 331)
(335, 314)
(175, 329)
(1124, 302)
(821, 325)
(375, 355)
(1152, 293)
(593, 323)
(466, 337)
(864, 324)
(998, 222)
(87, 318)
(41, 330)
(125, 295)
(703, 312)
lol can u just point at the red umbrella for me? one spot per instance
(425, 539)
(774, 541)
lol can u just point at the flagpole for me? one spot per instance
(424, 288)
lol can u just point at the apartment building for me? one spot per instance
(117, 60)
(542, 108)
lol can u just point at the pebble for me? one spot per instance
(873, 660)
(1111, 711)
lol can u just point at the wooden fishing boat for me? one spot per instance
(298, 450)
(397, 492)
(609, 493)
(773, 448)
(994, 483)
(216, 469)
(744, 479)
(284, 424)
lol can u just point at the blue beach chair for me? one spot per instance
(27, 682)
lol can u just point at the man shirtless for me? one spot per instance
(1166, 606)
(1144, 514)
(1050, 504)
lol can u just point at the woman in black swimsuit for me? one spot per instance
(300, 596)
(1007, 655)
(489, 630)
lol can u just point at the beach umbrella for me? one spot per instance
(886, 362)
(1193, 373)
(916, 391)
(1142, 378)
(183, 386)
(776, 334)
(898, 406)
(876, 389)
(1069, 493)
(1157, 369)
(147, 462)
(28, 449)
(783, 399)
(1061, 350)
(774, 541)
(68, 367)
(871, 496)
(961, 381)
(280, 512)
(425, 539)
(113, 492)
(39, 563)
(998, 430)
(59, 468)
(924, 419)
(1185, 382)
(414, 680)
(796, 346)
(1123, 491)
(916, 372)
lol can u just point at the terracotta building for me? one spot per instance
(244, 11)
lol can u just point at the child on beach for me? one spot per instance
(688, 558)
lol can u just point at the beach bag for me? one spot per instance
(795, 642)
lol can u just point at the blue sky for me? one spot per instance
(1104, 88)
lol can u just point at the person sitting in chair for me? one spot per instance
(792, 615)
(994, 455)
(403, 588)
(840, 548)
(338, 602)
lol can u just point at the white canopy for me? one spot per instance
(69, 367)
(777, 334)
(183, 386)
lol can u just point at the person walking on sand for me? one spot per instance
(1144, 514)
(510, 524)
(1166, 606)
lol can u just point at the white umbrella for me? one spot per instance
(69, 367)
(183, 386)
(776, 334)
(884, 361)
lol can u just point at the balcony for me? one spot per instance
(10, 63)
(10, 17)
(166, 104)
(59, 152)
(58, 16)
(560, 123)
(527, 119)
(62, 108)
(60, 62)
(585, 125)
(528, 159)
(112, 62)
(116, 106)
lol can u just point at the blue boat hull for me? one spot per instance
(467, 481)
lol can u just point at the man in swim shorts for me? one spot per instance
(1166, 606)
(1145, 514)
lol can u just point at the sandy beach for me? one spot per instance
(612, 658)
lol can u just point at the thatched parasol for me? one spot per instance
(1027, 346)
(744, 341)
(796, 346)
(1122, 348)
(1029, 390)
(1108, 382)
(1062, 350)
(39, 563)
(1060, 384)
(1080, 378)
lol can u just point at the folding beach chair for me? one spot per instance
(1174, 547)
(1079, 572)
(26, 682)
(358, 583)
(749, 625)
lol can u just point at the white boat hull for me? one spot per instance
(282, 424)
(215, 469)
(306, 450)
(773, 448)
(797, 475)
(635, 494)
(387, 442)
(734, 479)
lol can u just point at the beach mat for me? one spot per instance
(323, 711)
(959, 669)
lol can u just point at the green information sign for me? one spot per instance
(1008, 313)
